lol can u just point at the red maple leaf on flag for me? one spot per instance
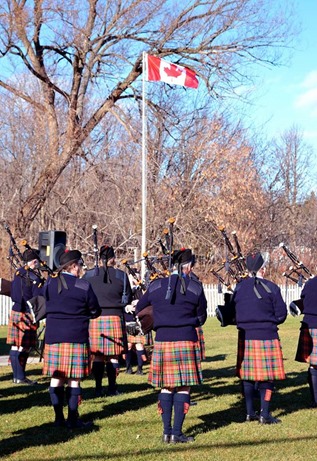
(172, 71)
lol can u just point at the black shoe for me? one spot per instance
(269, 420)
(181, 439)
(129, 371)
(166, 438)
(25, 381)
(79, 424)
(98, 392)
(250, 418)
(139, 371)
(113, 393)
(59, 423)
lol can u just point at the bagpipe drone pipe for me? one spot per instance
(298, 273)
(231, 271)
(158, 266)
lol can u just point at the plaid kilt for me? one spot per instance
(107, 335)
(145, 340)
(66, 360)
(260, 359)
(307, 346)
(21, 330)
(138, 339)
(175, 364)
(201, 341)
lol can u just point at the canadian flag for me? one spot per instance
(164, 71)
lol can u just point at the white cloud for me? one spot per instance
(307, 97)
(310, 80)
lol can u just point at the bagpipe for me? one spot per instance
(156, 267)
(298, 273)
(231, 271)
(5, 287)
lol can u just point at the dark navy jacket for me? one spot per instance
(68, 312)
(309, 296)
(175, 319)
(24, 287)
(258, 318)
(110, 294)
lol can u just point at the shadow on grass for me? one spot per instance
(46, 434)
(291, 395)
(34, 436)
(4, 347)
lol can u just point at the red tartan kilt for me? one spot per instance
(175, 364)
(21, 330)
(107, 335)
(145, 340)
(201, 341)
(260, 360)
(139, 339)
(307, 346)
(66, 360)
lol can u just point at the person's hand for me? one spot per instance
(129, 308)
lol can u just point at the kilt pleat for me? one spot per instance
(307, 346)
(66, 360)
(138, 339)
(21, 330)
(107, 335)
(145, 340)
(260, 360)
(201, 341)
(175, 364)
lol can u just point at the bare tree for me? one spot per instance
(86, 58)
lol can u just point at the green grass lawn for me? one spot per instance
(128, 426)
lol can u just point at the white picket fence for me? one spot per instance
(289, 293)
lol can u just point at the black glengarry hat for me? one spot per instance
(30, 254)
(254, 262)
(68, 257)
(106, 252)
(182, 256)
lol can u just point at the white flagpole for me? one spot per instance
(144, 165)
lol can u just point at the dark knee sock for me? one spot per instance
(128, 358)
(165, 407)
(21, 364)
(98, 369)
(140, 358)
(112, 376)
(14, 362)
(313, 385)
(248, 391)
(57, 399)
(181, 403)
(266, 390)
(73, 395)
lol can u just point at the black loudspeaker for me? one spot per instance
(51, 245)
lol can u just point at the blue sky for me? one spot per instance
(288, 94)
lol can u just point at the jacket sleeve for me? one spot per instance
(280, 308)
(93, 305)
(143, 302)
(202, 308)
